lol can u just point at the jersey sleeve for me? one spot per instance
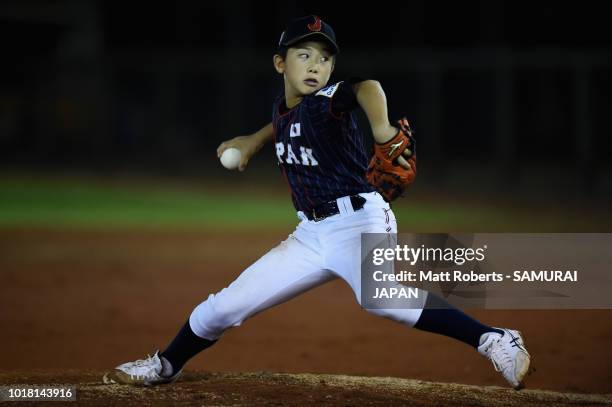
(342, 96)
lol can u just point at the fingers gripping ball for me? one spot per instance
(231, 158)
(384, 172)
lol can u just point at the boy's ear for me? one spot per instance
(279, 63)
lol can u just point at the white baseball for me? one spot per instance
(231, 158)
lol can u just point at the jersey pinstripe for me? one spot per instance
(320, 148)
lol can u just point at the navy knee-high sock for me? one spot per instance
(184, 346)
(442, 318)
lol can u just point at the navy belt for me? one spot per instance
(330, 208)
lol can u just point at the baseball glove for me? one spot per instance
(384, 172)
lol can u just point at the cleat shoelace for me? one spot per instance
(499, 355)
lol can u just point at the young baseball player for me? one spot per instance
(321, 155)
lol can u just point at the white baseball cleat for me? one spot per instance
(142, 372)
(508, 354)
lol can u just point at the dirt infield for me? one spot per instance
(88, 300)
(268, 389)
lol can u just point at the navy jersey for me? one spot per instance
(319, 147)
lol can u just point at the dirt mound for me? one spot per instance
(277, 389)
(81, 301)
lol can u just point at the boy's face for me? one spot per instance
(306, 68)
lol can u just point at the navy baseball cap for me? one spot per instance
(303, 28)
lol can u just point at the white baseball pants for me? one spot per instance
(315, 253)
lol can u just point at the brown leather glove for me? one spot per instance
(384, 172)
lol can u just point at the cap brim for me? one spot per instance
(323, 36)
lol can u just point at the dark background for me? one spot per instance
(503, 95)
(116, 217)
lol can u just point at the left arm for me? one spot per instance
(372, 99)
